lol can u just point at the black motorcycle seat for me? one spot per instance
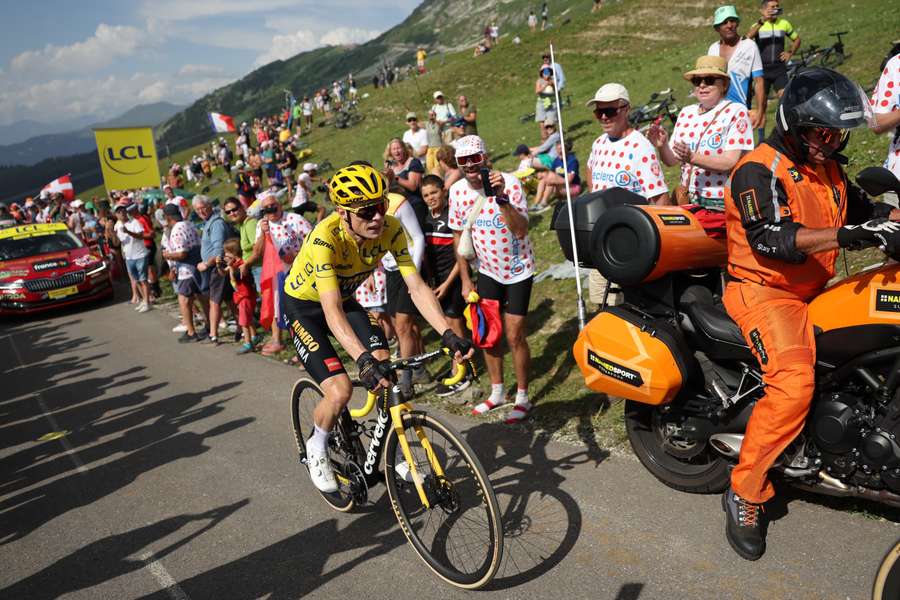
(715, 322)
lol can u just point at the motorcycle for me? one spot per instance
(688, 377)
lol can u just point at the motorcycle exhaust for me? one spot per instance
(830, 486)
(727, 444)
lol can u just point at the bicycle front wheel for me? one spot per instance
(460, 536)
(304, 398)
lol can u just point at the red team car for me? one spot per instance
(45, 266)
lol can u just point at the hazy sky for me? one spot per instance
(64, 59)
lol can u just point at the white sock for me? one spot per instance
(319, 440)
(497, 393)
(521, 396)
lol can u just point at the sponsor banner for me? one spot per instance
(127, 158)
(24, 231)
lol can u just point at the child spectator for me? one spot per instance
(244, 295)
(441, 267)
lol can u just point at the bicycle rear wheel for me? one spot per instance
(461, 536)
(304, 398)
(833, 59)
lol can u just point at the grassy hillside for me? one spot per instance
(636, 43)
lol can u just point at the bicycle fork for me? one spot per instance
(396, 409)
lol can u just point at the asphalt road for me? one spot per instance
(178, 479)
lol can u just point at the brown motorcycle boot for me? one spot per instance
(744, 525)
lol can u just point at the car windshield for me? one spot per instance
(57, 241)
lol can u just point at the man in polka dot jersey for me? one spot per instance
(621, 158)
(505, 263)
(886, 106)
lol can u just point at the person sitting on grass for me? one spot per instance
(552, 183)
(244, 295)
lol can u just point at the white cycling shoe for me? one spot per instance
(320, 471)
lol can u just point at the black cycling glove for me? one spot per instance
(372, 370)
(455, 344)
(877, 232)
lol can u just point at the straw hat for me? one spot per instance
(709, 65)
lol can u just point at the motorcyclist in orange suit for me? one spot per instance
(789, 211)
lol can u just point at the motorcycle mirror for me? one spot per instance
(877, 180)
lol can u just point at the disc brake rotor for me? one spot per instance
(672, 438)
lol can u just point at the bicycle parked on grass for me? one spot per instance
(815, 56)
(661, 106)
(438, 489)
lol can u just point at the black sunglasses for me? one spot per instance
(708, 80)
(609, 113)
(367, 213)
(232, 211)
(270, 210)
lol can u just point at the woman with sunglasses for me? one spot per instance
(339, 255)
(286, 231)
(709, 139)
(545, 106)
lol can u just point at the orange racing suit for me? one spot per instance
(769, 198)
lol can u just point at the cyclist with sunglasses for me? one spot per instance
(336, 257)
(789, 211)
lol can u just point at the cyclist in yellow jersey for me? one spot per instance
(335, 259)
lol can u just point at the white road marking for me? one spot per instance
(154, 566)
(167, 582)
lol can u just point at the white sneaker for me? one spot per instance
(143, 308)
(180, 328)
(320, 471)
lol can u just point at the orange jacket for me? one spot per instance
(769, 198)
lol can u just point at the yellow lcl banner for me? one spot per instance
(127, 157)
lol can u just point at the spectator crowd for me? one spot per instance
(227, 261)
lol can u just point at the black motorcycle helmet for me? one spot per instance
(819, 97)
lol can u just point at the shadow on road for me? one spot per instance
(541, 521)
(115, 555)
(41, 480)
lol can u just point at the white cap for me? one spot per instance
(469, 145)
(437, 94)
(610, 92)
(310, 166)
(77, 203)
(239, 164)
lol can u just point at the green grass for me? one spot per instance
(638, 43)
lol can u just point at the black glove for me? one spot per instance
(372, 370)
(877, 232)
(454, 343)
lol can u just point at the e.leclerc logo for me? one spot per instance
(125, 157)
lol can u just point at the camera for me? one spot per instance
(269, 210)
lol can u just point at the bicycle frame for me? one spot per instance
(392, 411)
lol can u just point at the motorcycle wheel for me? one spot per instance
(680, 464)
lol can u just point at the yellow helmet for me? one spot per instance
(356, 186)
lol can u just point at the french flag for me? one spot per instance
(62, 185)
(222, 123)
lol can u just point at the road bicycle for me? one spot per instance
(661, 106)
(815, 56)
(438, 489)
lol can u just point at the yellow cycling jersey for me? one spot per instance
(331, 259)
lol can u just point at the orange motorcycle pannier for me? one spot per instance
(636, 244)
(622, 354)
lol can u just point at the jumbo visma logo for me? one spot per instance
(127, 160)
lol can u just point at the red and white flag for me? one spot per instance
(222, 123)
(62, 185)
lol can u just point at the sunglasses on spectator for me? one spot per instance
(609, 113)
(410, 120)
(270, 210)
(472, 159)
(231, 211)
(367, 213)
(708, 80)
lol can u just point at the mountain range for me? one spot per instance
(38, 147)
